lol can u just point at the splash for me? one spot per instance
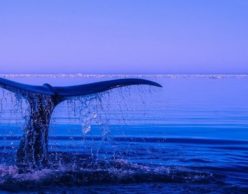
(33, 149)
(112, 172)
(37, 165)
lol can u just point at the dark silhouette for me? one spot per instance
(33, 149)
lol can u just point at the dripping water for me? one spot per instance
(90, 113)
(14, 113)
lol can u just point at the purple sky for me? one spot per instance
(124, 36)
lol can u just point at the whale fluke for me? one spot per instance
(33, 149)
(87, 89)
(72, 91)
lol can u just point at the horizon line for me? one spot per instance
(168, 75)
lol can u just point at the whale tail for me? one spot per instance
(71, 91)
(33, 149)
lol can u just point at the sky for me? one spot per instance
(124, 36)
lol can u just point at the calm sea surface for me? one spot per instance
(191, 136)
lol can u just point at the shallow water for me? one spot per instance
(191, 136)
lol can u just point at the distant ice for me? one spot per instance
(168, 76)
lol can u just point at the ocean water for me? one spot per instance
(191, 136)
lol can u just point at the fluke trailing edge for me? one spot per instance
(33, 149)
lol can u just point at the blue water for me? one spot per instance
(191, 136)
